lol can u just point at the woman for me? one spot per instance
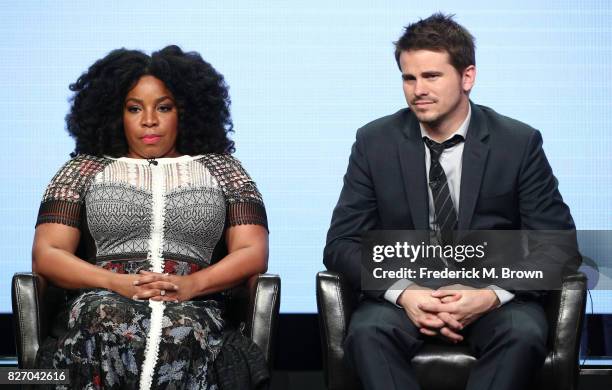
(151, 187)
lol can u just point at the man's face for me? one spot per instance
(435, 91)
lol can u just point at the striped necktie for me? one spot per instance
(445, 212)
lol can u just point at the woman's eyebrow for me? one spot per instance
(159, 99)
(163, 98)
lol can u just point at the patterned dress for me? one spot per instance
(164, 217)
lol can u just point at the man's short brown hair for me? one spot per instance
(439, 32)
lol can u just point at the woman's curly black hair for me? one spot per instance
(95, 120)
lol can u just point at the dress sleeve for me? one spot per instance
(244, 202)
(64, 199)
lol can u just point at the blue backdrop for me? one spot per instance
(304, 76)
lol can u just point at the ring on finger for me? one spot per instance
(162, 292)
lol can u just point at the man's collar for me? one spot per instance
(462, 130)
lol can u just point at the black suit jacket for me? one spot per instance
(506, 183)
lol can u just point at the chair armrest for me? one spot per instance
(336, 302)
(264, 305)
(257, 303)
(29, 320)
(565, 310)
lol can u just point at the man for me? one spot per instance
(443, 164)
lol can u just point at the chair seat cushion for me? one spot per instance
(447, 367)
(443, 367)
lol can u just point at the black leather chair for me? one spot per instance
(253, 306)
(35, 303)
(445, 367)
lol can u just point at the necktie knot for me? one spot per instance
(436, 148)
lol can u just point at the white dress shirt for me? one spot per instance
(451, 162)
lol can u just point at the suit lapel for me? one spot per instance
(412, 161)
(475, 154)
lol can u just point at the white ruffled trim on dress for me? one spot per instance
(155, 257)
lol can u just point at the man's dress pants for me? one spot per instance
(509, 343)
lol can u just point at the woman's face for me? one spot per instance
(150, 120)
